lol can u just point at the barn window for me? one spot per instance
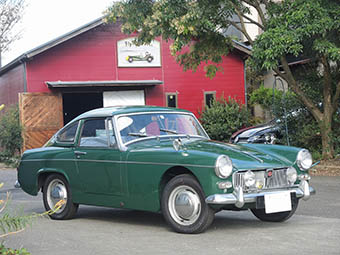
(209, 96)
(171, 100)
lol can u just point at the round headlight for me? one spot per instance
(249, 178)
(291, 175)
(223, 166)
(304, 159)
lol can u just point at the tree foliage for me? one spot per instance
(11, 12)
(303, 130)
(13, 221)
(192, 28)
(198, 30)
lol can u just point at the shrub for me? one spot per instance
(276, 102)
(223, 118)
(10, 135)
(9, 251)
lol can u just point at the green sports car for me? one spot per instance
(161, 159)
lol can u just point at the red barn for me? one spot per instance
(97, 66)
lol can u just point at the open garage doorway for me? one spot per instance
(75, 104)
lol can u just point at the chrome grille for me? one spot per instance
(277, 180)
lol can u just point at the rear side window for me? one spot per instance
(94, 134)
(68, 134)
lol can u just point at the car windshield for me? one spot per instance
(132, 127)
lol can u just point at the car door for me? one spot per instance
(98, 158)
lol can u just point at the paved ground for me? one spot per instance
(315, 229)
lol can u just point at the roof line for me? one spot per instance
(109, 83)
(54, 42)
(241, 47)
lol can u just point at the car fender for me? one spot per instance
(43, 172)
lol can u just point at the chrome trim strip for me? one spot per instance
(120, 162)
(35, 160)
(166, 164)
(239, 199)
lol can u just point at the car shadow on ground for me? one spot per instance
(121, 216)
(223, 220)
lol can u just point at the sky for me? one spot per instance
(45, 20)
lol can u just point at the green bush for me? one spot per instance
(223, 118)
(336, 131)
(9, 251)
(274, 100)
(10, 135)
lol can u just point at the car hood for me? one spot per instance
(242, 156)
(205, 152)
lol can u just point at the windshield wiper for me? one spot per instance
(168, 131)
(138, 134)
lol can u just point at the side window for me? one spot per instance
(209, 97)
(68, 134)
(171, 100)
(94, 134)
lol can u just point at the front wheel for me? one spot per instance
(56, 189)
(183, 205)
(149, 59)
(275, 217)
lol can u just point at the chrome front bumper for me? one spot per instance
(239, 199)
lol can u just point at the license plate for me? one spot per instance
(278, 202)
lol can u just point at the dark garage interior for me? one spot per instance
(77, 103)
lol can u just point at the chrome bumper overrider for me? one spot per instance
(238, 198)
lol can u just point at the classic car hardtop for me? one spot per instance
(161, 159)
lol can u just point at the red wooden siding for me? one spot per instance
(93, 56)
(12, 83)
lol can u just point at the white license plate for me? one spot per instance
(278, 202)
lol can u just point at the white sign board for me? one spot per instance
(123, 98)
(130, 55)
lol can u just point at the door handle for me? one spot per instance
(80, 153)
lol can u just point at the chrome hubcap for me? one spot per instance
(56, 191)
(184, 205)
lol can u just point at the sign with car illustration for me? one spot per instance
(130, 55)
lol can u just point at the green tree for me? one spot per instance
(197, 29)
(11, 12)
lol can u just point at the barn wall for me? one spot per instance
(89, 56)
(191, 86)
(93, 56)
(12, 83)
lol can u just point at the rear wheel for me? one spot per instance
(275, 217)
(183, 205)
(56, 189)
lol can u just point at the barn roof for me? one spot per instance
(244, 49)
